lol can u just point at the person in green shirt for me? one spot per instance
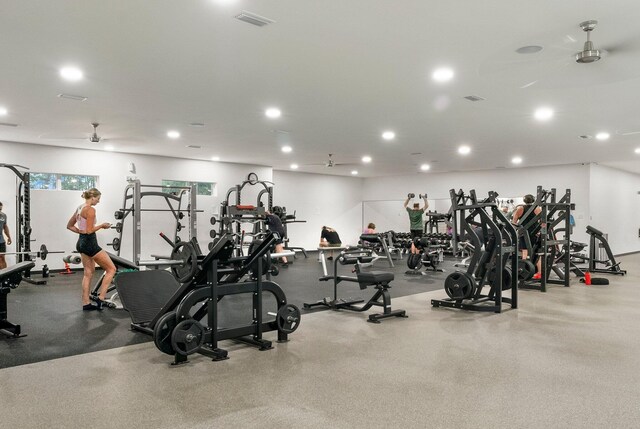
(415, 217)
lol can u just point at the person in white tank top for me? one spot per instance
(82, 222)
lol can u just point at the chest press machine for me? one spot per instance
(378, 279)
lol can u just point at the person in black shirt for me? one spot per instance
(517, 214)
(274, 223)
(329, 238)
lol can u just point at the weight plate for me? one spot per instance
(162, 333)
(213, 220)
(184, 251)
(506, 277)
(526, 269)
(288, 318)
(187, 337)
(213, 233)
(459, 285)
(414, 261)
(116, 244)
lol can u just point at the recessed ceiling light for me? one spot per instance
(366, 159)
(532, 49)
(543, 114)
(173, 134)
(637, 150)
(72, 74)
(273, 113)
(602, 136)
(388, 135)
(215, 158)
(354, 172)
(464, 150)
(3, 111)
(287, 149)
(425, 167)
(516, 160)
(294, 166)
(442, 74)
(109, 147)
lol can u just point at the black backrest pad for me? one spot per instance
(121, 262)
(17, 268)
(592, 230)
(144, 293)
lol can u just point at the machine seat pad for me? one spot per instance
(374, 277)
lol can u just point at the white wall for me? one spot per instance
(615, 204)
(512, 182)
(320, 200)
(52, 209)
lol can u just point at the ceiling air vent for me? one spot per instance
(193, 146)
(7, 124)
(254, 19)
(474, 98)
(73, 97)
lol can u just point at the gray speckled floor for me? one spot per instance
(567, 358)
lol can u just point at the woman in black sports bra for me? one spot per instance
(82, 222)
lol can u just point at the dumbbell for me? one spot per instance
(72, 259)
(423, 196)
(412, 195)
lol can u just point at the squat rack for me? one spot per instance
(23, 218)
(132, 205)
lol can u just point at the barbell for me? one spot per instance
(42, 253)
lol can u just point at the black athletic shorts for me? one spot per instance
(3, 247)
(416, 233)
(88, 244)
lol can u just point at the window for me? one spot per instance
(202, 188)
(62, 182)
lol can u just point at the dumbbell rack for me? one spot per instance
(134, 192)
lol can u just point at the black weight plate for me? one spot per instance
(288, 318)
(185, 252)
(162, 332)
(459, 285)
(213, 233)
(414, 261)
(506, 277)
(526, 269)
(187, 337)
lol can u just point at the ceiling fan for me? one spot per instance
(557, 59)
(93, 137)
(330, 163)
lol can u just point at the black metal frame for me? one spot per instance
(9, 279)
(495, 257)
(552, 250)
(220, 275)
(613, 266)
(381, 298)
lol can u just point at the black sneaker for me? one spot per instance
(330, 258)
(100, 304)
(89, 307)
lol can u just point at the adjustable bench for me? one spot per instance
(378, 279)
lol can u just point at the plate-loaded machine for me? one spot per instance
(378, 279)
(489, 267)
(378, 242)
(612, 267)
(555, 252)
(10, 278)
(175, 313)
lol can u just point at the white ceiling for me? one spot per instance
(340, 71)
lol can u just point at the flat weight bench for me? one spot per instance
(10, 278)
(378, 279)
